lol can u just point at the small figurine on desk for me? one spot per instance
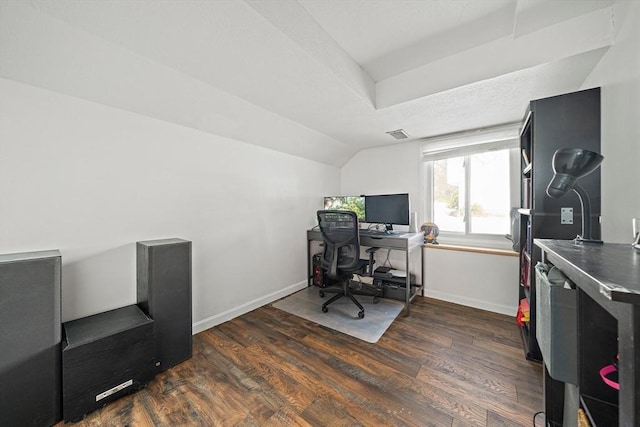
(431, 232)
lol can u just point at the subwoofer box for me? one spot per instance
(30, 335)
(104, 357)
(164, 293)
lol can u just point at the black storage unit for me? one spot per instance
(394, 287)
(566, 121)
(30, 336)
(104, 357)
(164, 293)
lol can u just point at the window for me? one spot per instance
(472, 184)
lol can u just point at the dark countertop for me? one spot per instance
(613, 269)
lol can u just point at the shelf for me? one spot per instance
(529, 355)
(600, 414)
(489, 251)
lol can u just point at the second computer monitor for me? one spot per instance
(387, 209)
(349, 203)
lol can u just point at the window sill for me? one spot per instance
(489, 251)
(476, 241)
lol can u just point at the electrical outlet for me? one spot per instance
(566, 215)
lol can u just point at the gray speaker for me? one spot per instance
(30, 335)
(413, 222)
(164, 293)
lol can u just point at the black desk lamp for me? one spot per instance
(569, 165)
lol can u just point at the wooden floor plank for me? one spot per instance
(445, 365)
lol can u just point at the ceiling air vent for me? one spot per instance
(399, 134)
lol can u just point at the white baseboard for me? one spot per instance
(212, 321)
(509, 310)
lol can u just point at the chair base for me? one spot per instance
(346, 292)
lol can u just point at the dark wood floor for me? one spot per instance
(445, 365)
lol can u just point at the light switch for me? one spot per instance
(566, 215)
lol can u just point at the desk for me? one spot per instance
(406, 242)
(607, 278)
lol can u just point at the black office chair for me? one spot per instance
(341, 255)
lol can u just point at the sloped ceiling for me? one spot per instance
(320, 79)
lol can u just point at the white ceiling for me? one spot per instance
(320, 79)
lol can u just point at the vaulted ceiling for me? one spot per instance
(320, 79)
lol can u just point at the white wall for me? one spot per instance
(385, 170)
(618, 73)
(484, 281)
(92, 180)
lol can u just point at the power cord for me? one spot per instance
(534, 417)
(387, 259)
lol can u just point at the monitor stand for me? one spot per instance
(389, 230)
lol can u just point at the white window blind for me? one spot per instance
(471, 142)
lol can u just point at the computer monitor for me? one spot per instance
(387, 209)
(348, 203)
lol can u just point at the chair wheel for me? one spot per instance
(321, 294)
(361, 314)
(324, 309)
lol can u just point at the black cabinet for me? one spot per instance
(566, 121)
(30, 336)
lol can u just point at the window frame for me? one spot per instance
(464, 145)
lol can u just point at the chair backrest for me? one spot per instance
(339, 231)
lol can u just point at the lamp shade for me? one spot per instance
(569, 165)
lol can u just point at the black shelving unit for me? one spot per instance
(526, 272)
(566, 121)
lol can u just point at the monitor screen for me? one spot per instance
(347, 203)
(387, 209)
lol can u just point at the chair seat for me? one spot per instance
(360, 267)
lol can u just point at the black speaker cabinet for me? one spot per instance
(30, 335)
(104, 357)
(164, 293)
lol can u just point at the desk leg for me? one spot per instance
(309, 262)
(629, 374)
(407, 301)
(422, 281)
